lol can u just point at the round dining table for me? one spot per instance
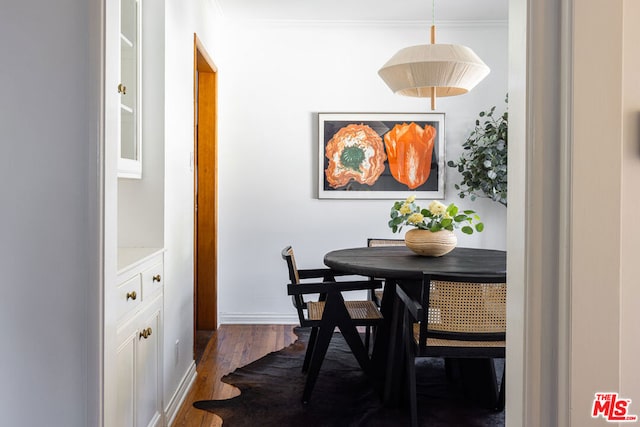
(399, 262)
(399, 266)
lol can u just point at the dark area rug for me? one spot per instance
(271, 391)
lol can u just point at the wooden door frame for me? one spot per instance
(205, 137)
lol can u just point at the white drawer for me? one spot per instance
(152, 280)
(129, 295)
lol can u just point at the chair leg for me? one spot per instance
(372, 340)
(335, 314)
(479, 381)
(411, 369)
(367, 338)
(319, 351)
(500, 405)
(310, 345)
(352, 337)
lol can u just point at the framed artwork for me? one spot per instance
(381, 155)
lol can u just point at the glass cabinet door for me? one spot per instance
(130, 148)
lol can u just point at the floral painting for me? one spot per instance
(381, 156)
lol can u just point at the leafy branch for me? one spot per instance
(483, 164)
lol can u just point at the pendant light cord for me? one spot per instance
(433, 12)
(433, 91)
(432, 32)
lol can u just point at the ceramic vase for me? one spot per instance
(430, 243)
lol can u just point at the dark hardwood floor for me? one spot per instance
(228, 348)
(202, 340)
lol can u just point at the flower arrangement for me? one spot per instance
(436, 217)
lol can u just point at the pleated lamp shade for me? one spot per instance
(451, 69)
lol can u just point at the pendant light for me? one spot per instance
(433, 70)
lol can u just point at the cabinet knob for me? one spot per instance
(145, 333)
(156, 278)
(133, 295)
(122, 89)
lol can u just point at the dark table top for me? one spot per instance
(398, 262)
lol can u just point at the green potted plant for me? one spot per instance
(483, 164)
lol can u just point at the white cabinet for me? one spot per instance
(133, 214)
(130, 146)
(139, 338)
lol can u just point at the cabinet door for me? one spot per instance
(125, 415)
(148, 375)
(139, 399)
(130, 148)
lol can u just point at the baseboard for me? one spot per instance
(258, 319)
(178, 398)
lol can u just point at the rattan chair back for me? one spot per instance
(294, 276)
(467, 310)
(377, 242)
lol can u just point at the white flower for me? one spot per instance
(415, 218)
(437, 208)
(487, 164)
(411, 199)
(492, 175)
(405, 209)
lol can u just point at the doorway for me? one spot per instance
(205, 163)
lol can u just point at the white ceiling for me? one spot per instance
(364, 10)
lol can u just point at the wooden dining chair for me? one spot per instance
(454, 317)
(328, 312)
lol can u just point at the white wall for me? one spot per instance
(183, 19)
(274, 78)
(49, 308)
